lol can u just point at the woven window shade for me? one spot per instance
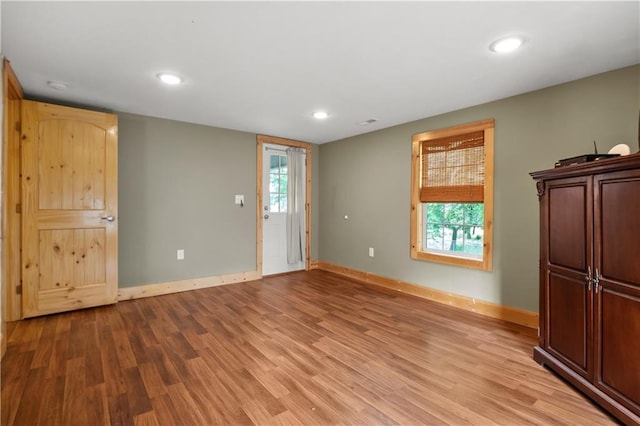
(453, 169)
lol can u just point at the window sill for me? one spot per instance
(448, 259)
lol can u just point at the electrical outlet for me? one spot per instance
(180, 254)
(371, 254)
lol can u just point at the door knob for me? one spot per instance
(266, 208)
(266, 216)
(108, 218)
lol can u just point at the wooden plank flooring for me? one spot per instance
(308, 348)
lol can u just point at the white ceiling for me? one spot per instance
(264, 67)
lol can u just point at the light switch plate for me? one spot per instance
(240, 200)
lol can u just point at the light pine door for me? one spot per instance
(69, 208)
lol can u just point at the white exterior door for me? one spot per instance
(274, 207)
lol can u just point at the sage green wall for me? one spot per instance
(367, 177)
(177, 183)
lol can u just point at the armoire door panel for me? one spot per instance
(568, 313)
(619, 369)
(568, 232)
(618, 227)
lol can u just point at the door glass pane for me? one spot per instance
(274, 183)
(278, 184)
(274, 164)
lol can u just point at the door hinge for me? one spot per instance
(19, 289)
(18, 208)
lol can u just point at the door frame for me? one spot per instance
(11, 221)
(261, 140)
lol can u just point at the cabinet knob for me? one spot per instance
(588, 278)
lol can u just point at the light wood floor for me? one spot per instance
(307, 348)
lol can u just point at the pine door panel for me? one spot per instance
(69, 171)
(72, 258)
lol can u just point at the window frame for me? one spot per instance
(416, 227)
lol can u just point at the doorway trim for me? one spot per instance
(261, 140)
(11, 217)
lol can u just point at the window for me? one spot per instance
(454, 227)
(452, 195)
(278, 183)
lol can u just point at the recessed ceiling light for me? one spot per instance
(506, 45)
(320, 115)
(57, 85)
(169, 78)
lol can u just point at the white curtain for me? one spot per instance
(296, 174)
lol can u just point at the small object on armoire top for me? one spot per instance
(621, 148)
(586, 158)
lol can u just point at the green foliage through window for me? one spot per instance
(455, 228)
(278, 184)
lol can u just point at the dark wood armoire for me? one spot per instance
(590, 280)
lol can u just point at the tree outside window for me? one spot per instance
(454, 227)
(452, 195)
